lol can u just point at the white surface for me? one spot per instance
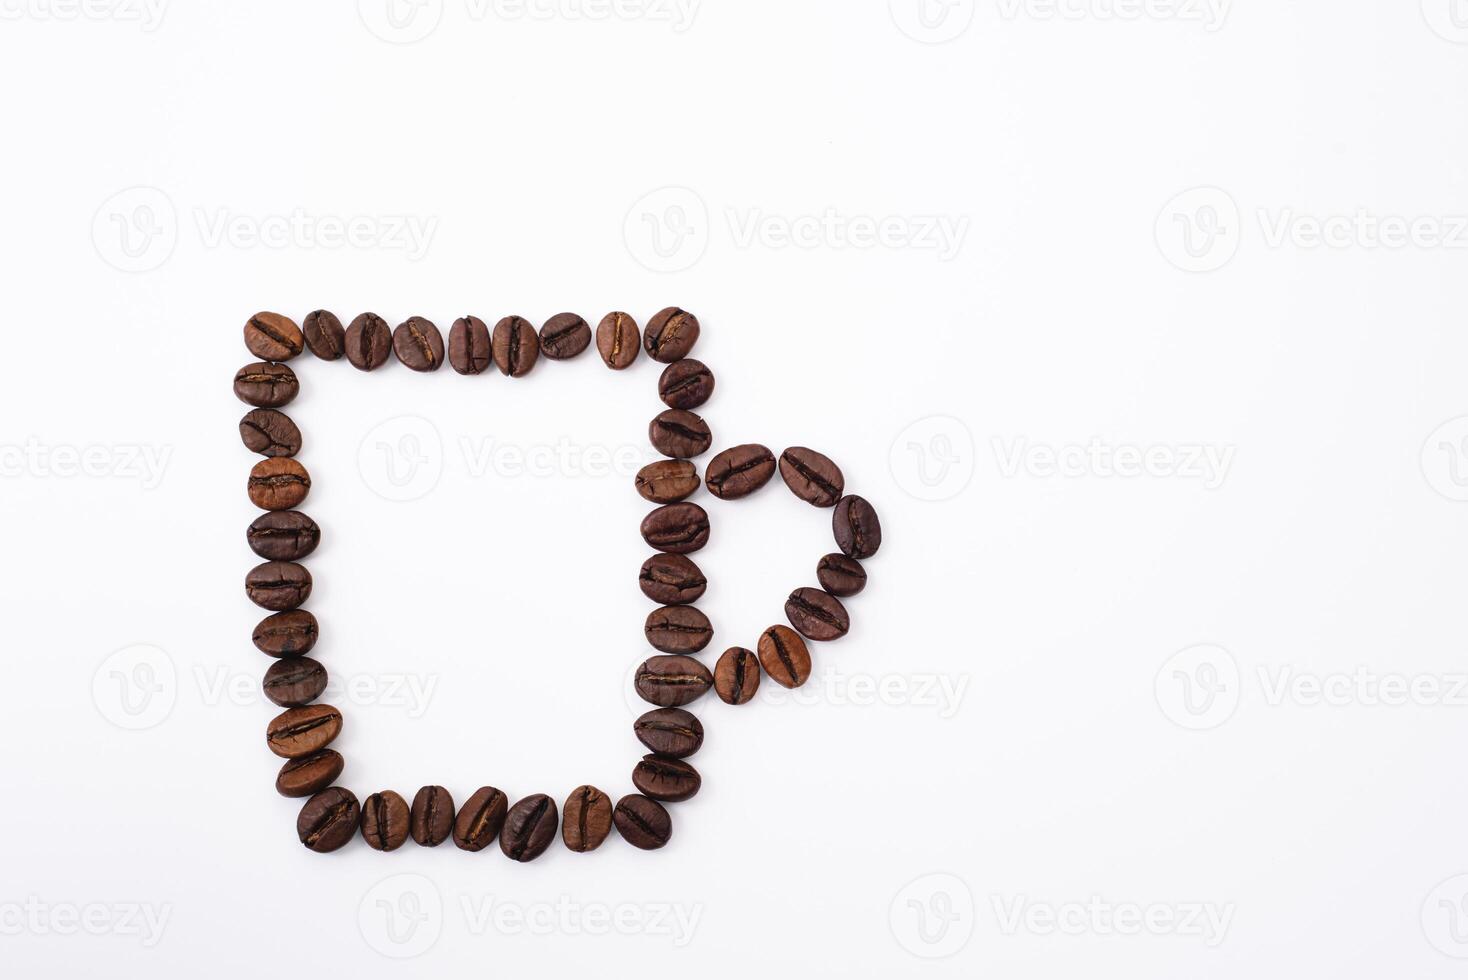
(1065, 775)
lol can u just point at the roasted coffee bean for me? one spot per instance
(515, 345)
(270, 433)
(287, 634)
(480, 819)
(679, 434)
(784, 656)
(671, 580)
(677, 529)
(272, 337)
(418, 344)
(278, 484)
(736, 676)
(431, 821)
(678, 629)
(740, 471)
(670, 335)
(278, 585)
(369, 342)
(668, 780)
(686, 384)
(616, 340)
(588, 819)
(469, 346)
(667, 480)
(283, 535)
(817, 614)
(309, 774)
(564, 336)
(385, 821)
(670, 731)
(299, 732)
(325, 336)
(858, 532)
(841, 576)
(811, 476)
(671, 682)
(643, 823)
(294, 683)
(530, 826)
(328, 820)
(266, 385)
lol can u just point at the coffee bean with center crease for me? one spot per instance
(299, 732)
(283, 535)
(431, 821)
(480, 819)
(686, 384)
(667, 481)
(418, 344)
(278, 484)
(678, 629)
(679, 434)
(671, 732)
(328, 820)
(266, 385)
(642, 822)
(811, 476)
(564, 336)
(668, 780)
(369, 342)
(677, 529)
(670, 335)
(325, 336)
(671, 682)
(295, 682)
(841, 576)
(385, 821)
(858, 532)
(588, 819)
(736, 676)
(469, 346)
(278, 585)
(515, 346)
(740, 471)
(817, 614)
(270, 433)
(272, 337)
(530, 826)
(671, 580)
(309, 774)
(784, 656)
(287, 634)
(617, 340)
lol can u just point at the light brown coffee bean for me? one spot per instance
(273, 337)
(736, 676)
(667, 481)
(617, 340)
(784, 656)
(278, 484)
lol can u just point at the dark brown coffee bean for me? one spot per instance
(272, 337)
(266, 385)
(686, 384)
(670, 335)
(431, 821)
(671, 580)
(858, 532)
(811, 476)
(669, 731)
(588, 819)
(740, 471)
(678, 629)
(784, 656)
(679, 434)
(328, 820)
(616, 340)
(841, 576)
(736, 676)
(643, 823)
(270, 433)
(530, 826)
(564, 336)
(418, 344)
(677, 529)
(515, 346)
(384, 821)
(294, 683)
(309, 774)
(278, 484)
(668, 780)
(369, 342)
(283, 535)
(299, 732)
(671, 682)
(287, 634)
(480, 819)
(667, 480)
(325, 336)
(469, 346)
(817, 614)
(278, 585)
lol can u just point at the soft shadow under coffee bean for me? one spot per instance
(369, 342)
(679, 434)
(287, 634)
(278, 585)
(811, 476)
(301, 731)
(817, 614)
(672, 681)
(668, 780)
(309, 774)
(283, 535)
(418, 344)
(270, 433)
(670, 731)
(740, 471)
(686, 384)
(667, 481)
(295, 682)
(266, 385)
(564, 336)
(530, 826)
(278, 484)
(273, 337)
(784, 656)
(671, 580)
(642, 822)
(736, 676)
(670, 335)
(588, 819)
(328, 820)
(678, 629)
(384, 821)
(469, 346)
(325, 336)
(617, 340)
(431, 821)
(677, 529)
(480, 819)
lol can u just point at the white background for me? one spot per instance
(1077, 729)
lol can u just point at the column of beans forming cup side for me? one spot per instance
(284, 535)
